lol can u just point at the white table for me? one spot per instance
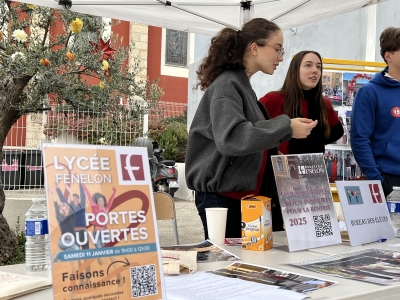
(345, 288)
(278, 259)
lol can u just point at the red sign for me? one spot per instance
(132, 167)
(395, 112)
(375, 193)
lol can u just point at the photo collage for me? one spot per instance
(341, 165)
(378, 266)
(341, 88)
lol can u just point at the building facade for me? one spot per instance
(150, 46)
(350, 36)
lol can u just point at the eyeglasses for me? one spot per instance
(279, 52)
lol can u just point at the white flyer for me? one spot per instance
(365, 211)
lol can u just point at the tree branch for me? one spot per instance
(46, 31)
(77, 72)
(68, 37)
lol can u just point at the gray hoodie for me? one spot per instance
(228, 136)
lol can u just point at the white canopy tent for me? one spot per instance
(210, 16)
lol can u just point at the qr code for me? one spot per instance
(323, 225)
(143, 281)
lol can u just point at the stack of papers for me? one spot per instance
(14, 285)
(243, 281)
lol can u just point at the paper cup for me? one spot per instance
(216, 224)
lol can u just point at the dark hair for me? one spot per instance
(229, 46)
(294, 92)
(96, 197)
(389, 41)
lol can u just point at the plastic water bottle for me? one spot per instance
(393, 203)
(37, 246)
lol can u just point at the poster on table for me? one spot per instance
(239, 281)
(371, 265)
(285, 280)
(207, 251)
(306, 201)
(102, 224)
(365, 211)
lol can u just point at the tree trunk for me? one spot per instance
(8, 240)
(10, 95)
(9, 243)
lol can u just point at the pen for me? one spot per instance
(378, 241)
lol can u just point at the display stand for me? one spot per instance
(349, 75)
(341, 79)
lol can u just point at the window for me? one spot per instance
(324, 79)
(329, 79)
(176, 47)
(280, 165)
(169, 68)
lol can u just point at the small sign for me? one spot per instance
(306, 201)
(102, 223)
(365, 211)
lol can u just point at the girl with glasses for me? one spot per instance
(232, 136)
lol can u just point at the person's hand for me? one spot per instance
(50, 190)
(302, 127)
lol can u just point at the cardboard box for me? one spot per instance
(256, 223)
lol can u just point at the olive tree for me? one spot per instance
(79, 67)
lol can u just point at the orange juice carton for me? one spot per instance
(256, 223)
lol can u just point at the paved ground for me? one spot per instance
(190, 229)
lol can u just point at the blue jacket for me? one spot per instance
(375, 127)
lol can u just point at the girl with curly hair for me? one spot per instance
(232, 136)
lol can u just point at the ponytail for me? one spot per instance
(229, 46)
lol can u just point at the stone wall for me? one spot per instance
(139, 37)
(34, 130)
